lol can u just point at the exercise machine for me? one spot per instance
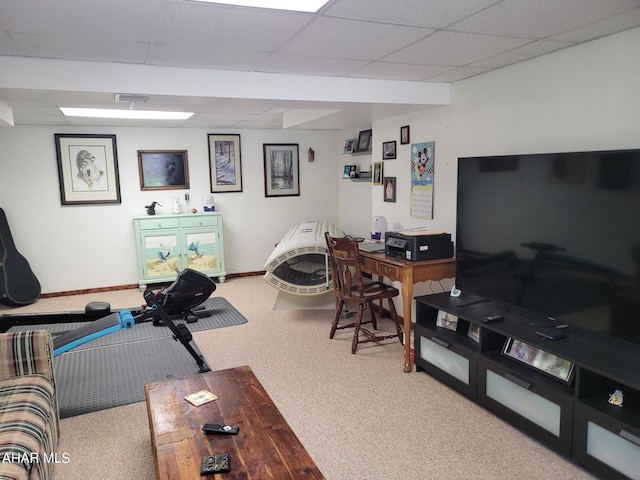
(181, 300)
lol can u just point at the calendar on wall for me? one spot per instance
(422, 170)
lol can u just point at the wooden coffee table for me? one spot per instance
(265, 447)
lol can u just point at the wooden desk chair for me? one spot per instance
(344, 256)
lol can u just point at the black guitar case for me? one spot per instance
(18, 284)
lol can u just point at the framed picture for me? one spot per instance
(446, 320)
(364, 141)
(87, 169)
(389, 189)
(349, 145)
(225, 164)
(557, 367)
(281, 170)
(404, 135)
(377, 173)
(350, 171)
(389, 150)
(474, 332)
(163, 169)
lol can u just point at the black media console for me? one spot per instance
(574, 418)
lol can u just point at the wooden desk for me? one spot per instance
(408, 273)
(265, 447)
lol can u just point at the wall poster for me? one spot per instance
(422, 169)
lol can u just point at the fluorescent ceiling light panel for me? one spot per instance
(294, 5)
(129, 114)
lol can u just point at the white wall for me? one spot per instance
(582, 98)
(92, 246)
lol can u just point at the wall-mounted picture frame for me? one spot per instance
(87, 169)
(364, 141)
(545, 362)
(281, 169)
(378, 170)
(163, 169)
(389, 192)
(350, 145)
(225, 163)
(404, 135)
(389, 150)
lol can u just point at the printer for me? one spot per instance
(418, 244)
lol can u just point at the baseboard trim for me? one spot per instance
(131, 285)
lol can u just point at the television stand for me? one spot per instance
(571, 415)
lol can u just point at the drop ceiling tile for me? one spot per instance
(351, 39)
(456, 74)
(610, 25)
(397, 71)
(418, 13)
(452, 48)
(88, 19)
(6, 45)
(530, 50)
(217, 26)
(282, 63)
(203, 56)
(540, 18)
(74, 48)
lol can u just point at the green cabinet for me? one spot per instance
(165, 243)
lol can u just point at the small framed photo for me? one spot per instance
(281, 169)
(538, 359)
(446, 320)
(389, 150)
(364, 141)
(350, 145)
(474, 332)
(163, 169)
(389, 189)
(87, 169)
(225, 163)
(350, 171)
(404, 135)
(377, 172)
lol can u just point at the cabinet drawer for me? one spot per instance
(604, 444)
(389, 271)
(369, 265)
(156, 223)
(200, 221)
(528, 401)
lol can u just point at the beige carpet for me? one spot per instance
(359, 416)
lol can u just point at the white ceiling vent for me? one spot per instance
(131, 97)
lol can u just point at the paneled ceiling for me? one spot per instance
(348, 44)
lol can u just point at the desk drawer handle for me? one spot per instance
(387, 270)
(517, 380)
(442, 343)
(630, 436)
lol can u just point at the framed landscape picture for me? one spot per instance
(225, 163)
(281, 170)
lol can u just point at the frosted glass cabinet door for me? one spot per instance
(202, 251)
(161, 254)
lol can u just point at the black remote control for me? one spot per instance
(217, 429)
(492, 318)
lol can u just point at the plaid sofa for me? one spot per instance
(29, 418)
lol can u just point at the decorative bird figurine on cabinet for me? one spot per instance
(151, 209)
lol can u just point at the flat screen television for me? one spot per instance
(554, 235)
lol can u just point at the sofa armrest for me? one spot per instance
(26, 353)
